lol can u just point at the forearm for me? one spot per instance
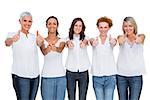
(44, 50)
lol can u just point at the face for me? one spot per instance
(103, 27)
(128, 28)
(77, 27)
(52, 25)
(26, 23)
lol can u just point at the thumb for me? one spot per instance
(110, 37)
(97, 39)
(37, 33)
(18, 33)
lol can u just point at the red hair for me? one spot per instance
(104, 19)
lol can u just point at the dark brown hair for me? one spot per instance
(71, 31)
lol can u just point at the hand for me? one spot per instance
(140, 38)
(48, 49)
(16, 37)
(95, 42)
(82, 44)
(70, 44)
(53, 47)
(39, 39)
(112, 41)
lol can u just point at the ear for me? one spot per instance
(19, 21)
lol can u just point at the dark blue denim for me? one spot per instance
(129, 88)
(25, 88)
(83, 80)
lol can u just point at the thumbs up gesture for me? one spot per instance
(94, 42)
(112, 41)
(70, 44)
(140, 38)
(39, 39)
(16, 37)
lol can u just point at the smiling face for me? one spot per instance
(77, 27)
(26, 23)
(52, 25)
(128, 28)
(103, 27)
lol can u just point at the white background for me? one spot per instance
(66, 11)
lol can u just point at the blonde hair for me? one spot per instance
(132, 21)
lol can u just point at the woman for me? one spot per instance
(130, 61)
(25, 68)
(103, 63)
(77, 63)
(53, 82)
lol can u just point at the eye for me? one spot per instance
(25, 20)
(30, 21)
(54, 24)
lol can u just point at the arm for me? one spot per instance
(60, 48)
(121, 39)
(9, 41)
(44, 50)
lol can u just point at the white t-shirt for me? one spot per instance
(53, 66)
(77, 59)
(25, 56)
(131, 60)
(103, 62)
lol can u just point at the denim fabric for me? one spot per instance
(83, 79)
(104, 87)
(53, 88)
(129, 88)
(25, 88)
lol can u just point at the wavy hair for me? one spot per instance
(71, 31)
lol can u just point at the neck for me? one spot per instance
(76, 34)
(25, 31)
(103, 35)
(131, 37)
(52, 35)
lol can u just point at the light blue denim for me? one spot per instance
(53, 88)
(129, 88)
(104, 87)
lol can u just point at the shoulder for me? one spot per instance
(141, 35)
(62, 40)
(120, 36)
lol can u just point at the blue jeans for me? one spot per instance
(129, 88)
(104, 87)
(25, 88)
(82, 78)
(53, 88)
